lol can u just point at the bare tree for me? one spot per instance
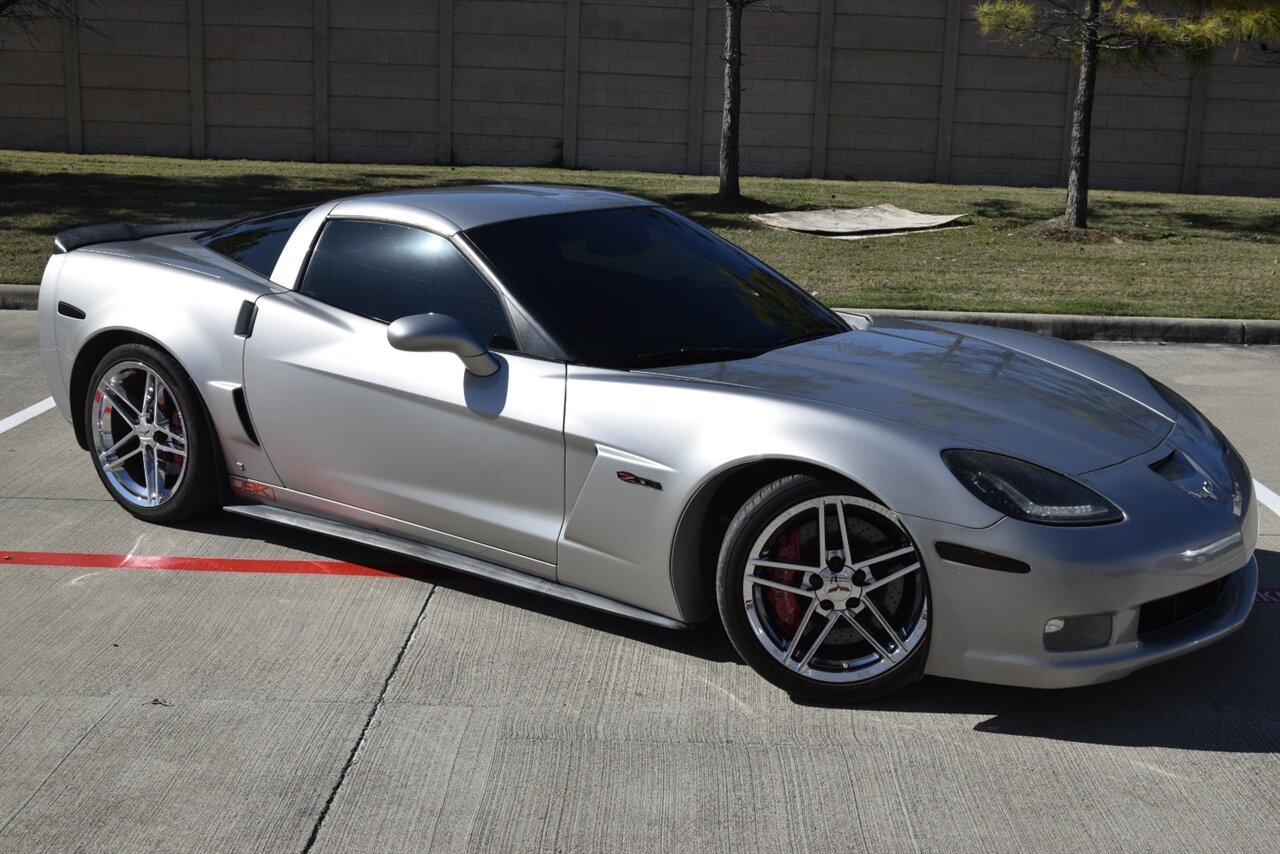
(1139, 31)
(731, 116)
(27, 14)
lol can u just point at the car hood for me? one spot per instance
(982, 394)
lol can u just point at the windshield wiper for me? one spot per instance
(685, 356)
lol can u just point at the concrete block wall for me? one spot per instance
(861, 89)
(1240, 141)
(634, 72)
(33, 90)
(1141, 128)
(383, 81)
(779, 59)
(134, 90)
(1011, 113)
(886, 86)
(259, 79)
(508, 81)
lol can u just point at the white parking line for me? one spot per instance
(7, 424)
(1269, 499)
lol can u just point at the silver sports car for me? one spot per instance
(587, 396)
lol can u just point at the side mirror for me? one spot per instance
(436, 333)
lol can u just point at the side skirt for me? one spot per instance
(451, 560)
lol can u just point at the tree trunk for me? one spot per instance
(729, 190)
(1077, 213)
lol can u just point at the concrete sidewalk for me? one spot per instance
(1075, 327)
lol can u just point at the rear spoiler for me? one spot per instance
(111, 232)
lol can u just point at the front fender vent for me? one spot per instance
(242, 409)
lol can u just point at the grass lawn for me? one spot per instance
(1160, 254)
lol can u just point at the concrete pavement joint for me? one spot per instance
(368, 725)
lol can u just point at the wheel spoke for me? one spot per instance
(875, 612)
(804, 624)
(777, 564)
(813, 648)
(120, 402)
(844, 533)
(822, 533)
(881, 582)
(102, 457)
(171, 433)
(866, 635)
(149, 397)
(872, 561)
(781, 585)
(151, 473)
(120, 461)
(172, 449)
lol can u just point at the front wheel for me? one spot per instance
(823, 592)
(148, 436)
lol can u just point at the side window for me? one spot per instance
(257, 242)
(385, 272)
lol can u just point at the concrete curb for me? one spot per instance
(1172, 330)
(19, 296)
(1179, 330)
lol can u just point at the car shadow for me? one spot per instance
(705, 640)
(1225, 698)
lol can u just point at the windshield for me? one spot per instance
(643, 287)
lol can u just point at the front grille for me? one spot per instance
(1160, 614)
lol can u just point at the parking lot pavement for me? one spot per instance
(295, 706)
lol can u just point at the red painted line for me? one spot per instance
(210, 564)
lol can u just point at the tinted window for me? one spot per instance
(637, 287)
(388, 271)
(256, 242)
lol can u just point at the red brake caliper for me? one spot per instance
(786, 607)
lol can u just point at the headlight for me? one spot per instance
(1029, 492)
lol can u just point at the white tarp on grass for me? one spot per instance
(857, 223)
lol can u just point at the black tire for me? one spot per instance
(832, 608)
(161, 466)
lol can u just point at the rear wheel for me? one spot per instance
(823, 592)
(148, 436)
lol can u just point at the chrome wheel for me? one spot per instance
(833, 589)
(139, 434)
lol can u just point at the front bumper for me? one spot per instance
(988, 625)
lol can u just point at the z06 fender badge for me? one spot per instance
(628, 477)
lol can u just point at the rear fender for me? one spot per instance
(191, 315)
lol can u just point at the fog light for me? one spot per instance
(1063, 633)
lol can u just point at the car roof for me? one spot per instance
(452, 209)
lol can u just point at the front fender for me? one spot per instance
(685, 435)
